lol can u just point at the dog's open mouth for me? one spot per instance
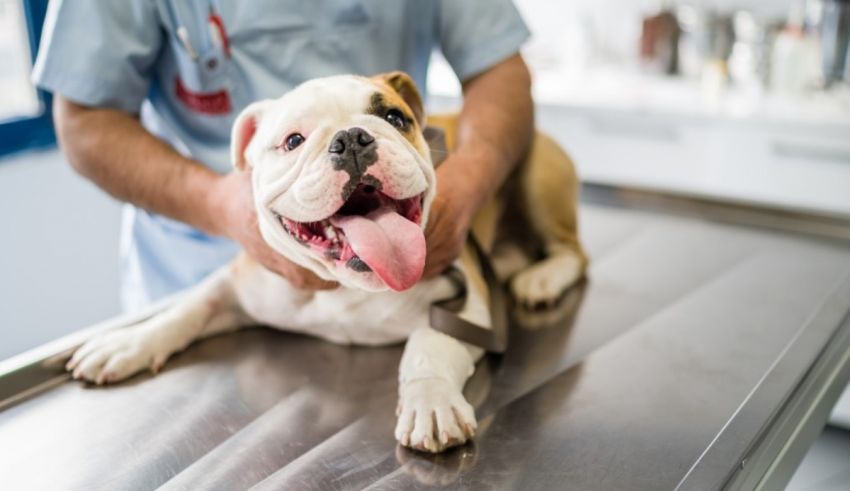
(370, 232)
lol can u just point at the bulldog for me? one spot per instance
(343, 181)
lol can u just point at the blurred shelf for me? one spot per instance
(613, 89)
(635, 92)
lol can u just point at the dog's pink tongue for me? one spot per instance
(393, 246)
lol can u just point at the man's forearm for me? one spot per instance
(112, 149)
(495, 128)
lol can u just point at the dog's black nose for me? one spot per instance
(352, 151)
(353, 138)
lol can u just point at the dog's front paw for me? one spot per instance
(433, 416)
(116, 355)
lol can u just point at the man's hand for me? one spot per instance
(448, 224)
(494, 130)
(232, 197)
(112, 149)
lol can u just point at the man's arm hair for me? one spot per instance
(116, 152)
(495, 127)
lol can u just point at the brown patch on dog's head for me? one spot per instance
(397, 91)
(404, 93)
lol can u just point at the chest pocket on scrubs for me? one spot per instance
(203, 78)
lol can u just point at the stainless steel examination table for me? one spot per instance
(703, 352)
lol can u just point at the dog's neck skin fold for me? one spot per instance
(350, 201)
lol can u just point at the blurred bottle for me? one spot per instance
(659, 42)
(835, 35)
(795, 63)
(715, 40)
(749, 63)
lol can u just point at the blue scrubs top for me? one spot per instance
(188, 67)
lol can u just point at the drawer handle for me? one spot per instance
(811, 151)
(642, 130)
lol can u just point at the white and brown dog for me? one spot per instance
(343, 182)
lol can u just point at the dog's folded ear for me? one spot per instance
(243, 132)
(406, 88)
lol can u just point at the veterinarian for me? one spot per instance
(146, 93)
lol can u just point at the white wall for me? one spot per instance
(58, 251)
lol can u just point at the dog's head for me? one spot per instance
(342, 177)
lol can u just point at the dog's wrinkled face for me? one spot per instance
(342, 177)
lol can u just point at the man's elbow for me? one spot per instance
(74, 129)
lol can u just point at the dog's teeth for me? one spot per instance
(330, 232)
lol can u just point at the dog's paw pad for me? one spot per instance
(542, 284)
(433, 416)
(111, 357)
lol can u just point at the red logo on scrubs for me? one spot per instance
(214, 103)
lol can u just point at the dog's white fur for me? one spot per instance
(300, 186)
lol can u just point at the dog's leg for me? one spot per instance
(549, 187)
(209, 308)
(433, 414)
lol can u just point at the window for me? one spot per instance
(25, 120)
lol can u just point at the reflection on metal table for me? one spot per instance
(702, 353)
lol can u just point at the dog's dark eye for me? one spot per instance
(396, 118)
(293, 141)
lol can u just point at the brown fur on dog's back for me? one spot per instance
(447, 123)
(549, 188)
